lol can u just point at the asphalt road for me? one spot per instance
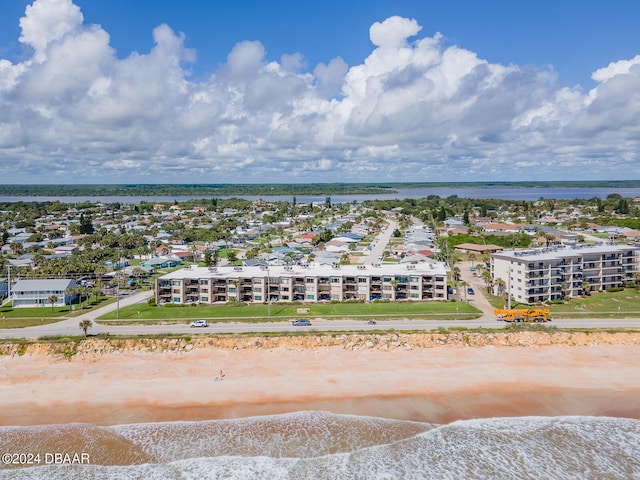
(380, 243)
(70, 326)
(353, 325)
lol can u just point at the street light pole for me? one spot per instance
(118, 286)
(509, 289)
(8, 285)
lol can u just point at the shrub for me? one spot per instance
(615, 289)
(235, 303)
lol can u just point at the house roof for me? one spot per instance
(472, 247)
(46, 285)
(159, 261)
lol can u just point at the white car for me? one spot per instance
(199, 323)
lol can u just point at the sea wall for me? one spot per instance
(96, 347)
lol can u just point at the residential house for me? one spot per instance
(38, 293)
(161, 262)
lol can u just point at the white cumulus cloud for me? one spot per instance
(414, 109)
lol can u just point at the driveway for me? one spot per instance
(479, 300)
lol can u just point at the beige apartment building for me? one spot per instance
(313, 283)
(546, 274)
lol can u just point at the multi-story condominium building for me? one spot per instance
(541, 275)
(255, 284)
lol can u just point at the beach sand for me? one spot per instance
(439, 384)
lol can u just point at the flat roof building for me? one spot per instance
(546, 274)
(314, 283)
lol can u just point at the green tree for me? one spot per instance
(208, 258)
(85, 325)
(86, 225)
(71, 292)
(52, 300)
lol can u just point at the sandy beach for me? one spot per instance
(436, 383)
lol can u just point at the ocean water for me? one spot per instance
(321, 445)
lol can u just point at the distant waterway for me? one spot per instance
(503, 193)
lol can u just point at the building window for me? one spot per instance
(204, 299)
(311, 297)
(176, 299)
(258, 298)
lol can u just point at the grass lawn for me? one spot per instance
(601, 304)
(439, 310)
(27, 322)
(51, 314)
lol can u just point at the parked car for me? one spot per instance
(470, 291)
(301, 323)
(199, 323)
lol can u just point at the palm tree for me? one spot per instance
(71, 292)
(99, 272)
(501, 284)
(82, 292)
(85, 325)
(96, 291)
(138, 273)
(394, 286)
(456, 274)
(464, 286)
(488, 280)
(17, 248)
(52, 300)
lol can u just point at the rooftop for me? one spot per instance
(311, 270)
(562, 251)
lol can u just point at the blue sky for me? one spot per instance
(284, 91)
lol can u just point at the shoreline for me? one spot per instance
(433, 378)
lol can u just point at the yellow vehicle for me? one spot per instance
(517, 315)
